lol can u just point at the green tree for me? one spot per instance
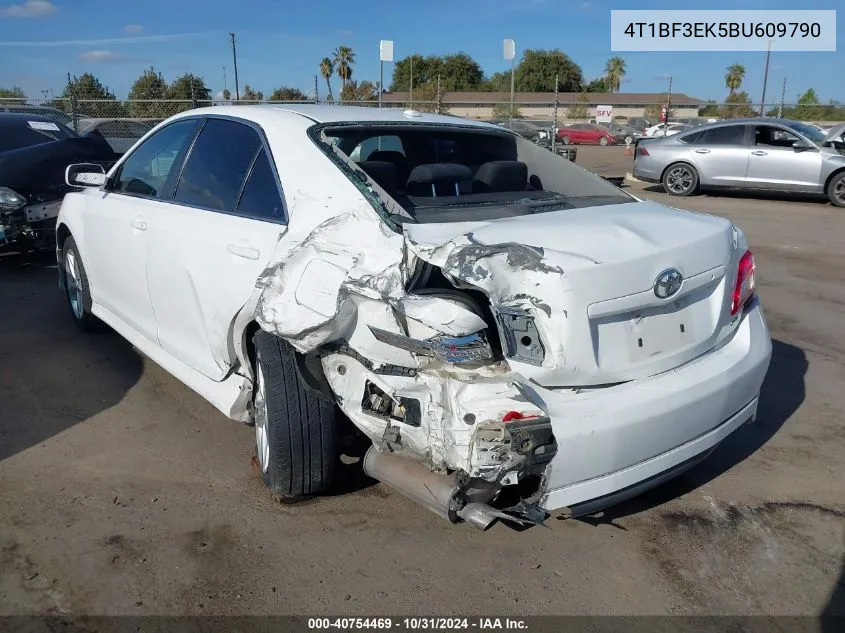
(92, 97)
(710, 110)
(808, 108)
(598, 85)
(147, 94)
(537, 69)
(460, 72)
(364, 91)
(737, 106)
(614, 70)
(500, 82)
(327, 70)
(580, 110)
(249, 94)
(14, 94)
(504, 111)
(425, 70)
(227, 94)
(284, 93)
(734, 77)
(191, 91)
(425, 97)
(344, 59)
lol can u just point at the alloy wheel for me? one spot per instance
(679, 180)
(262, 438)
(73, 281)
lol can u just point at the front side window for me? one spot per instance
(770, 136)
(217, 165)
(146, 170)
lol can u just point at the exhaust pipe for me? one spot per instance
(434, 491)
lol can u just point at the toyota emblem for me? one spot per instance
(668, 283)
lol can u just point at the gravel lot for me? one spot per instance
(121, 492)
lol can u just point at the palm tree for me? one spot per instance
(344, 58)
(734, 77)
(327, 70)
(614, 71)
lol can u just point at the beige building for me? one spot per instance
(540, 105)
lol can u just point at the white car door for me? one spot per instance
(220, 230)
(117, 224)
(776, 165)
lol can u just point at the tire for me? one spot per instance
(77, 290)
(565, 140)
(629, 140)
(680, 179)
(603, 140)
(295, 424)
(836, 190)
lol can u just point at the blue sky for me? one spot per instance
(281, 43)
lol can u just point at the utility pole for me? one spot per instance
(554, 124)
(782, 97)
(316, 91)
(509, 53)
(225, 85)
(437, 105)
(668, 108)
(765, 79)
(513, 70)
(235, 63)
(411, 92)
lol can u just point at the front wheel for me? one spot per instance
(295, 431)
(603, 140)
(680, 179)
(836, 190)
(565, 140)
(629, 140)
(77, 290)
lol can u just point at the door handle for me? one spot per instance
(759, 153)
(702, 151)
(247, 252)
(139, 224)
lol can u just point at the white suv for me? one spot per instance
(491, 316)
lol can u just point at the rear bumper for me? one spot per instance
(643, 171)
(615, 443)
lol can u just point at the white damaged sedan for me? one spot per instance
(500, 323)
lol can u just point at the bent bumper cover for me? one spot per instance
(612, 440)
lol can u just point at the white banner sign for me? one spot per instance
(604, 114)
(386, 50)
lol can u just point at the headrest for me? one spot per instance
(388, 155)
(500, 175)
(383, 172)
(436, 173)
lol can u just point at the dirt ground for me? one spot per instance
(122, 492)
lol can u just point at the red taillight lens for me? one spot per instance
(745, 282)
(642, 151)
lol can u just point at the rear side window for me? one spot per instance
(693, 138)
(146, 170)
(726, 135)
(217, 166)
(260, 198)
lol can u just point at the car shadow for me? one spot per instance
(782, 393)
(52, 375)
(751, 195)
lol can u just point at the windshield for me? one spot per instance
(451, 173)
(808, 131)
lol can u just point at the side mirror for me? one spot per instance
(85, 175)
(802, 146)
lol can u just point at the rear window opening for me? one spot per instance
(454, 173)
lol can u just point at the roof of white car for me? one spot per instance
(334, 114)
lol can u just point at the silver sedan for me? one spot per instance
(757, 154)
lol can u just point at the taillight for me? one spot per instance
(642, 151)
(745, 282)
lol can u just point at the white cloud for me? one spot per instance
(133, 28)
(29, 9)
(99, 56)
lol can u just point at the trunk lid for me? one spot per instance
(588, 276)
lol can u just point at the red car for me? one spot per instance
(585, 134)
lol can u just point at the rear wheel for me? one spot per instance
(295, 434)
(836, 190)
(565, 140)
(680, 179)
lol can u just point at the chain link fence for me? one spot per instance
(122, 122)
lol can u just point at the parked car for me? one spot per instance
(761, 154)
(526, 129)
(640, 123)
(29, 108)
(34, 152)
(625, 133)
(121, 134)
(664, 129)
(585, 134)
(439, 294)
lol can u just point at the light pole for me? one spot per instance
(411, 91)
(765, 78)
(235, 63)
(509, 50)
(385, 54)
